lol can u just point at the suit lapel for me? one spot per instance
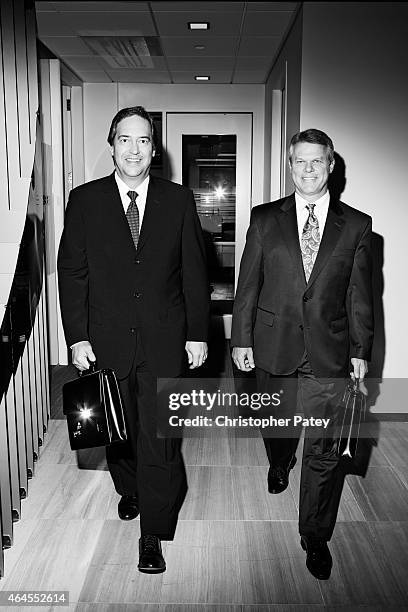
(151, 217)
(331, 234)
(288, 223)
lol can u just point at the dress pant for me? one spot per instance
(322, 476)
(146, 466)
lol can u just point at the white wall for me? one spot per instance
(102, 101)
(285, 75)
(355, 88)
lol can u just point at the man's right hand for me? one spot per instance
(82, 355)
(243, 358)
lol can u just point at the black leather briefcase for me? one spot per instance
(94, 410)
(352, 417)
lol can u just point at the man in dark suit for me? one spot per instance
(303, 311)
(134, 295)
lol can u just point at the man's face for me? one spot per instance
(310, 169)
(132, 150)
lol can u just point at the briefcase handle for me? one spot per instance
(90, 370)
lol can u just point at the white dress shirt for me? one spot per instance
(320, 210)
(141, 195)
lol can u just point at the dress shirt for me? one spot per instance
(320, 210)
(141, 191)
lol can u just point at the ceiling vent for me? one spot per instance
(117, 52)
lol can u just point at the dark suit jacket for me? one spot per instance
(280, 315)
(108, 290)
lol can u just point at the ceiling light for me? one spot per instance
(202, 78)
(198, 25)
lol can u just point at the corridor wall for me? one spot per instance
(24, 384)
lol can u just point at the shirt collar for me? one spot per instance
(123, 188)
(321, 202)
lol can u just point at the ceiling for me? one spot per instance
(149, 42)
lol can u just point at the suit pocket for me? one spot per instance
(338, 325)
(265, 316)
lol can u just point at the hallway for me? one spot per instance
(236, 547)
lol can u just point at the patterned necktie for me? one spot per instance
(132, 215)
(310, 241)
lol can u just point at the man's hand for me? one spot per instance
(360, 369)
(82, 355)
(197, 353)
(243, 358)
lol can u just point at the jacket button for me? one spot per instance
(137, 294)
(305, 298)
(132, 330)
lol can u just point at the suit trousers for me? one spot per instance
(148, 467)
(322, 476)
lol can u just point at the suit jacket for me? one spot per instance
(280, 315)
(109, 291)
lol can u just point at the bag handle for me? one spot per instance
(90, 370)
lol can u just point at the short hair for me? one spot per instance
(314, 136)
(130, 112)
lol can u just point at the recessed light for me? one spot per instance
(202, 78)
(198, 25)
(199, 47)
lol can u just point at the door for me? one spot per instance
(212, 154)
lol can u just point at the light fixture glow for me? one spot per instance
(199, 47)
(198, 25)
(202, 78)
(85, 413)
(219, 192)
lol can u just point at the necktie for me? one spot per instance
(310, 241)
(132, 215)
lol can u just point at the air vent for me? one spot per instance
(134, 52)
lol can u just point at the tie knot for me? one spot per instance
(132, 195)
(310, 206)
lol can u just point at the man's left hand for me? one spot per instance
(197, 353)
(360, 368)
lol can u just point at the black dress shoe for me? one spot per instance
(278, 477)
(150, 555)
(128, 507)
(318, 558)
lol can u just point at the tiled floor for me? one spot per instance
(236, 546)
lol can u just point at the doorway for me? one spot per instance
(212, 154)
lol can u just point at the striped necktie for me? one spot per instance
(132, 215)
(310, 241)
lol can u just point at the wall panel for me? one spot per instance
(24, 396)
(23, 109)
(4, 185)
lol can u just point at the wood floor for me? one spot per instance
(236, 547)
